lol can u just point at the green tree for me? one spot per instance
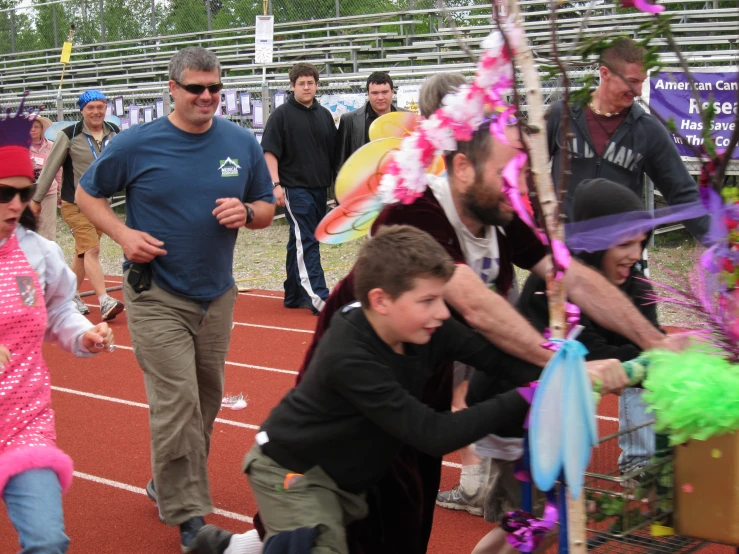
(185, 16)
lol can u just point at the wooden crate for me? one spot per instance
(707, 489)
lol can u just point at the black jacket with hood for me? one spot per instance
(595, 198)
(640, 145)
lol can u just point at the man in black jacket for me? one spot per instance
(298, 146)
(354, 126)
(614, 138)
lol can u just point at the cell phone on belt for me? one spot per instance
(139, 277)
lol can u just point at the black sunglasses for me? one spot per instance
(8, 193)
(198, 89)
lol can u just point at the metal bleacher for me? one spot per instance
(409, 44)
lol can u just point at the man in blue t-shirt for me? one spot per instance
(191, 182)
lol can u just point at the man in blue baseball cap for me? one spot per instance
(75, 149)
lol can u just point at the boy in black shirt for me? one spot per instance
(333, 436)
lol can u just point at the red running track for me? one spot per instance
(102, 423)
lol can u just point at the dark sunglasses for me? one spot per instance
(8, 193)
(198, 89)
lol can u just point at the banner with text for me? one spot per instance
(671, 96)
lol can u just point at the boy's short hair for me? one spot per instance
(394, 258)
(302, 69)
(379, 78)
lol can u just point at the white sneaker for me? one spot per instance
(81, 306)
(110, 307)
(234, 402)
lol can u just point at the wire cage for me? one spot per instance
(629, 502)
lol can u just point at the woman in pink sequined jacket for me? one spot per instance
(36, 292)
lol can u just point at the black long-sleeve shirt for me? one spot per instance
(302, 140)
(359, 402)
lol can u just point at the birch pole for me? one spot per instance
(539, 161)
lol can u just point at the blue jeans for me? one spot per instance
(637, 445)
(34, 501)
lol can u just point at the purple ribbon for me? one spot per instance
(526, 531)
(527, 393)
(602, 233)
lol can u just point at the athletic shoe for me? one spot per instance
(188, 532)
(81, 306)
(110, 307)
(305, 305)
(234, 402)
(211, 540)
(151, 492)
(455, 499)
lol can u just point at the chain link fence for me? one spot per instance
(44, 24)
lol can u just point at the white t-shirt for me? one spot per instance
(480, 253)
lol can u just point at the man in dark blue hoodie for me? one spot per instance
(298, 146)
(614, 138)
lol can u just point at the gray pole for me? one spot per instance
(265, 101)
(338, 11)
(269, 7)
(166, 105)
(207, 9)
(102, 21)
(12, 30)
(59, 108)
(153, 18)
(56, 32)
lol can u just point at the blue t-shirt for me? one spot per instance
(172, 180)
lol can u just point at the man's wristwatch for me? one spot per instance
(249, 214)
(275, 184)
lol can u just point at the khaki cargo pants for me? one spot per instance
(310, 500)
(181, 346)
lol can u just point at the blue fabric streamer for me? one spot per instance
(562, 428)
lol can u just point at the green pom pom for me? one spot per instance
(694, 394)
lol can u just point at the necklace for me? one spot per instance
(598, 112)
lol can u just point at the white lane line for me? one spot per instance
(247, 324)
(263, 368)
(261, 295)
(452, 464)
(139, 490)
(273, 327)
(237, 364)
(142, 405)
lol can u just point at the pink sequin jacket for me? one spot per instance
(27, 434)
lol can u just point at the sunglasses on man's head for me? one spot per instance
(198, 89)
(8, 193)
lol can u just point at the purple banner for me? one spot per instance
(671, 96)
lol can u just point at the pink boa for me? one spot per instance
(24, 458)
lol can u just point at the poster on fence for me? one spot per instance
(671, 96)
(339, 104)
(263, 39)
(407, 97)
